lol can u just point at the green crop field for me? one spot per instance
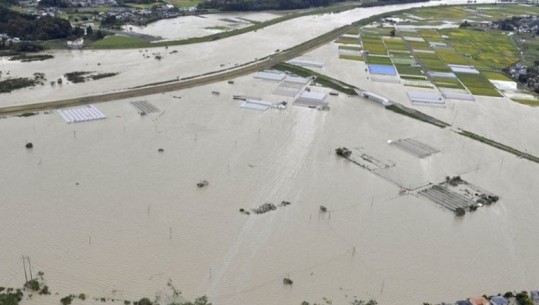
(409, 70)
(351, 57)
(431, 35)
(533, 103)
(496, 76)
(117, 41)
(184, 3)
(423, 56)
(374, 45)
(486, 50)
(478, 84)
(395, 43)
(452, 57)
(379, 60)
(529, 43)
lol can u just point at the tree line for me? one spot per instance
(27, 27)
(258, 5)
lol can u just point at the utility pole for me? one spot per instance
(29, 267)
(24, 266)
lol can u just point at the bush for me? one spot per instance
(45, 290)
(32, 285)
(460, 212)
(67, 300)
(145, 301)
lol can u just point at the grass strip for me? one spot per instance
(321, 79)
(500, 146)
(415, 114)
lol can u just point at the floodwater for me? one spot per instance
(102, 212)
(139, 67)
(200, 25)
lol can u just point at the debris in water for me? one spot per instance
(343, 152)
(203, 183)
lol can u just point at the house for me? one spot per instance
(499, 300)
(479, 301)
(463, 302)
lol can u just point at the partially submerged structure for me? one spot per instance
(312, 100)
(81, 114)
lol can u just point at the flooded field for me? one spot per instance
(111, 207)
(101, 211)
(139, 67)
(200, 25)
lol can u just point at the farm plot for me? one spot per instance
(403, 59)
(374, 45)
(447, 83)
(484, 50)
(451, 57)
(395, 43)
(477, 84)
(348, 40)
(407, 70)
(431, 35)
(379, 60)
(351, 52)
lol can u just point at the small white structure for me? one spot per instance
(75, 44)
(375, 97)
(306, 63)
(463, 69)
(256, 105)
(428, 99)
(270, 75)
(435, 74)
(297, 80)
(311, 99)
(81, 114)
(144, 107)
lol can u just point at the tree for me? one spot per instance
(89, 31)
(108, 21)
(77, 32)
(392, 33)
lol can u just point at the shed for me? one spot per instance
(312, 99)
(375, 97)
(534, 294)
